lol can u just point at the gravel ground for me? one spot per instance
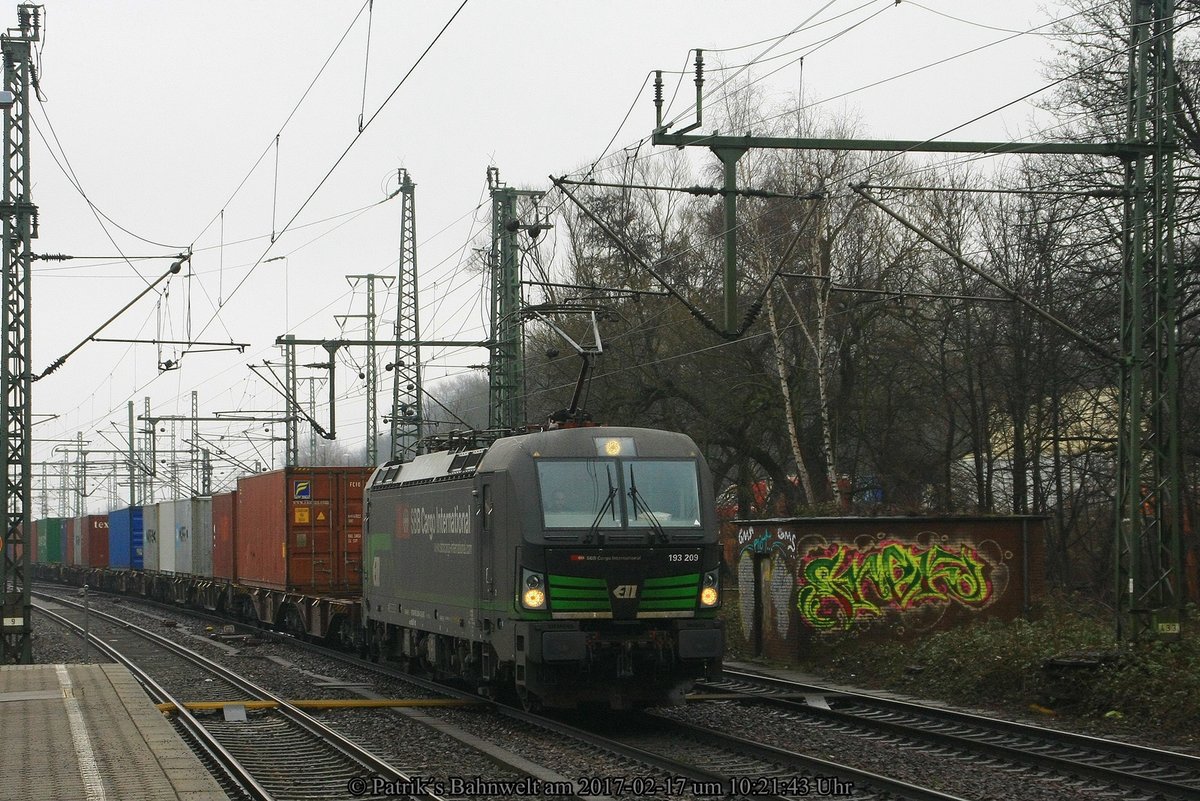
(54, 645)
(1122, 731)
(422, 750)
(963, 776)
(403, 740)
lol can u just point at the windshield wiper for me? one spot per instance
(604, 507)
(639, 503)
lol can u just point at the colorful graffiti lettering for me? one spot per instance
(766, 541)
(842, 584)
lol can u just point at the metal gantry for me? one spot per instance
(506, 372)
(148, 454)
(133, 465)
(407, 415)
(504, 368)
(371, 371)
(331, 346)
(1149, 520)
(194, 446)
(291, 456)
(1149, 528)
(20, 228)
(729, 149)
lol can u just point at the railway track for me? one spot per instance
(506, 772)
(663, 756)
(702, 762)
(278, 753)
(711, 765)
(1108, 766)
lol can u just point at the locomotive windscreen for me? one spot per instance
(610, 493)
(662, 492)
(580, 493)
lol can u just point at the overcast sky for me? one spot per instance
(166, 116)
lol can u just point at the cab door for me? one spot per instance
(486, 522)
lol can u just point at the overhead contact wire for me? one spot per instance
(286, 120)
(345, 152)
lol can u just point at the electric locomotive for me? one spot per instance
(572, 565)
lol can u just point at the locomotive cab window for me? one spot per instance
(662, 493)
(634, 493)
(580, 493)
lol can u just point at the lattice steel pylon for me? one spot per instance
(506, 368)
(1149, 539)
(407, 416)
(194, 448)
(504, 371)
(20, 228)
(291, 427)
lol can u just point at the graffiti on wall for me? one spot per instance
(745, 578)
(779, 547)
(766, 541)
(842, 584)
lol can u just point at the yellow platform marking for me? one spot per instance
(328, 703)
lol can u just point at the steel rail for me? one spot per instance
(202, 737)
(693, 775)
(763, 751)
(304, 721)
(1184, 764)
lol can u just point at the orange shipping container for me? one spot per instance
(224, 525)
(300, 529)
(94, 540)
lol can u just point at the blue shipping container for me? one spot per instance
(125, 538)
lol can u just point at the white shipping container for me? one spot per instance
(166, 537)
(150, 548)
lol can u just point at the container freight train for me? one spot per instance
(570, 565)
(284, 549)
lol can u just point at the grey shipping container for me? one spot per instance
(193, 536)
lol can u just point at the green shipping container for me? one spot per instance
(56, 539)
(39, 541)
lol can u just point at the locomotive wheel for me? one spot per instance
(530, 702)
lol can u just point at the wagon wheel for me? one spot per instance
(293, 623)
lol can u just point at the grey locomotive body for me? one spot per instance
(575, 564)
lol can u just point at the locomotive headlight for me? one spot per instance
(533, 593)
(615, 446)
(709, 593)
